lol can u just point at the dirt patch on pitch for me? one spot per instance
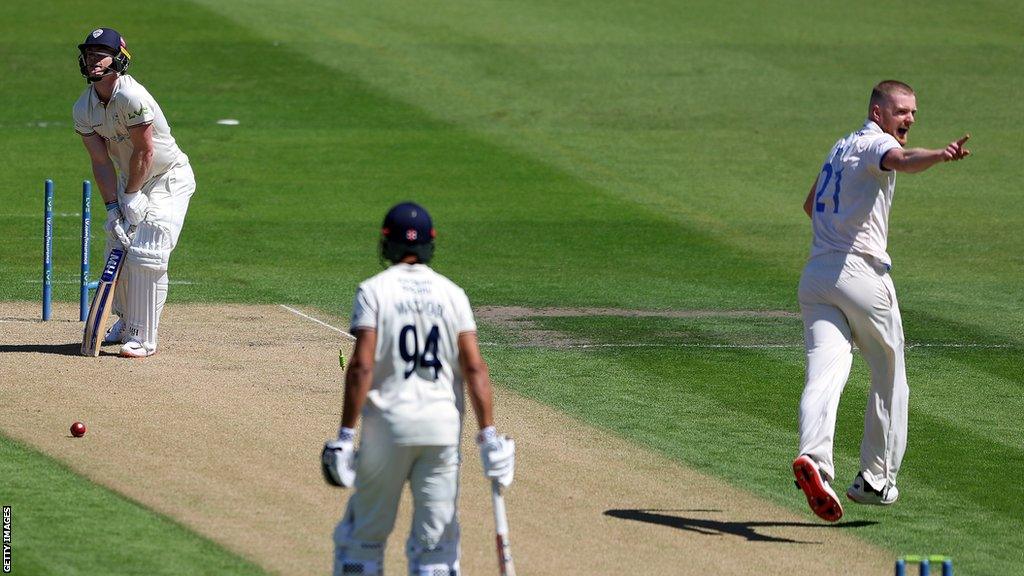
(222, 431)
(521, 323)
(500, 313)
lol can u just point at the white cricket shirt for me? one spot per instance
(417, 381)
(853, 196)
(130, 105)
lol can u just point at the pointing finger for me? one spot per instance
(961, 141)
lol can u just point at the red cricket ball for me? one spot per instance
(78, 429)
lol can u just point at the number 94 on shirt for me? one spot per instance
(422, 360)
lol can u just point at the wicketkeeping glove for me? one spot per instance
(115, 225)
(498, 455)
(338, 460)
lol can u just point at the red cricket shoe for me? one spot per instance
(820, 496)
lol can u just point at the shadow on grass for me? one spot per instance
(717, 527)
(73, 349)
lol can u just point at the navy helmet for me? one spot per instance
(407, 229)
(108, 40)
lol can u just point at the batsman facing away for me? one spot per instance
(415, 345)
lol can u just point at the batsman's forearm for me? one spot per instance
(481, 396)
(106, 180)
(138, 168)
(358, 380)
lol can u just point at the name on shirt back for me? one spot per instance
(424, 307)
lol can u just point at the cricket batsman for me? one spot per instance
(416, 345)
(145, 180)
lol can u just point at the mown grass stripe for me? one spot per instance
(64, 524)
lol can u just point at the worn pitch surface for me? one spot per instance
(222, 431)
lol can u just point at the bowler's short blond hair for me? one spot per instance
(886, 89)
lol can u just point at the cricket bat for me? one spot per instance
(505, 565)
(99, 311)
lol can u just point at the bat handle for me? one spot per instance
(505, 565)
(500, 517)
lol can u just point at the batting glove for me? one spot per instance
(338, 460)
(115, 225)
(498, 455)
(135, 207)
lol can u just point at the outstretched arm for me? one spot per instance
(920, 159)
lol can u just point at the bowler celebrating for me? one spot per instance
(847, 297)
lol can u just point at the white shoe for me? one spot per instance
(136, 349)
(862, 493)
(116, 333)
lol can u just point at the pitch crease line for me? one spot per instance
(640, 345)
(320, 322)
(36, 281)
(556, 346)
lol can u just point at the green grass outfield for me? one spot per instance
(64, 525)
(639, 155)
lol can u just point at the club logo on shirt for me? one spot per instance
(415, 286)
(132, 114)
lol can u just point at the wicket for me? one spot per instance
(924, 564)
(84, 284)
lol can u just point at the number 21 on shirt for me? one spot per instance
(831, 175)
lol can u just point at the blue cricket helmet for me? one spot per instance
(407, 229)
(108, 40)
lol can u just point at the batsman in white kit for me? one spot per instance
(847, 297)
(415, 346)
(145, 180)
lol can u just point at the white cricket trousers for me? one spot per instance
(847, 299)
(382, 470)
(169, 195)
(142, 290)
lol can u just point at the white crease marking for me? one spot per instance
(727, 346)
(320, 322)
